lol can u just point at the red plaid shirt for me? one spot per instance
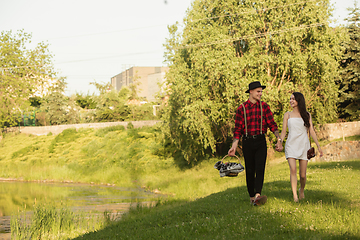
(253, 116)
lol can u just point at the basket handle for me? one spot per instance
(230, 156)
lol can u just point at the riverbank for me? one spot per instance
(114, 156)
(108, 156)
(200, 203)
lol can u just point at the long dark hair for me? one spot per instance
(299, 98)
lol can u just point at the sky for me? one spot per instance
(92, 41)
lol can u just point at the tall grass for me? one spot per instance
(49, 222)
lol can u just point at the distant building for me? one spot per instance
(148, 77)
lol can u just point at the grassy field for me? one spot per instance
(200, 204)
(331, 210)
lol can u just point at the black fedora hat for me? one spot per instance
(254, 85)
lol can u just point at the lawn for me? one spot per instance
(330, 210)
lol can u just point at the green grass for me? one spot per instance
(199, 204)
(329, 211)
(50, 222)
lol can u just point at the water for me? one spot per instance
(14, 196)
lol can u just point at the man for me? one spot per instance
(252, 130)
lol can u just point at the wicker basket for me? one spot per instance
(229, 169)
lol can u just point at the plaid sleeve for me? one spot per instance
(239, 122)
(269, 118)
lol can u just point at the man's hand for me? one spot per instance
(278, 147)
(231, 152)
(233, 147)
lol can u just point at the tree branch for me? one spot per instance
(283, 76)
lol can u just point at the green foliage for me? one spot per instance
(225, 45)
(111, 106)
(58, 108)
(102, 87)
(123, 105)
(35, 101)
(86, 102)
(141, 112)
(23, 72)
(41, 119)
(350, 79)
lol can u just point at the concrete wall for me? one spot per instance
(59, 128)
(333, 131)
(336, 151)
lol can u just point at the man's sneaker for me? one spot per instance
(260, 200)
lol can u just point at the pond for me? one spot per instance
(15, 196)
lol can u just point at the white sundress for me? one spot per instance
(297, 143)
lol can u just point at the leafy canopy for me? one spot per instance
(59, 108)
(349, 106)
(286, 44)
(23, 73)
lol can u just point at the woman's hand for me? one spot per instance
(278, 146)
(321, 152)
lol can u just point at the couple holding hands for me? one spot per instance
(252, 120)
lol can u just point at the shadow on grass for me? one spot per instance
(282, 190)
(229, 215)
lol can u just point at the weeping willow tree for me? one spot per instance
(349, 105)
(222, 46)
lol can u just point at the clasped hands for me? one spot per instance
(278, 146)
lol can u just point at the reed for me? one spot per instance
(48, 221)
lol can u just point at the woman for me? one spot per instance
(299, 123)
